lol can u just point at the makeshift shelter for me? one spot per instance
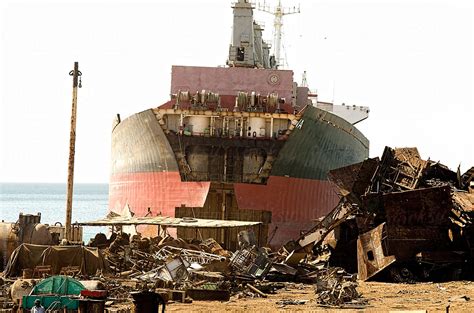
(28, 256)
(188, 227)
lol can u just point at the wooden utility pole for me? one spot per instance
(72, 148)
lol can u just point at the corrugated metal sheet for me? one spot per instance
(169, 221)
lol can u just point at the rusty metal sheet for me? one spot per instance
(371, 258)
(463, 212)
(417, 220)
(421, 207)
(354, 179)
(439, 172)
(406, 242)
(441, 257)
(465, 200)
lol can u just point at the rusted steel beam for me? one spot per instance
(261, 294)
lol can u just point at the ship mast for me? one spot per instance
(278, 14)
(76, 81)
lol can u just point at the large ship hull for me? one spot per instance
(236, 142)
(146, 175)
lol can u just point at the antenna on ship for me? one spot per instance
(76, 82)
(278, 12)
(304, 80)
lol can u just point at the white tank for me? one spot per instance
(20, 288)
(256, 127)
(198, 124)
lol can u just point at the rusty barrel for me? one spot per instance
(147, 302)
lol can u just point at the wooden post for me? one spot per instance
(72, 147)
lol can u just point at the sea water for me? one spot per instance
(90, 202)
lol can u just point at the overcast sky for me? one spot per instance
(411, 62)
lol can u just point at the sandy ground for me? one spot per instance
(382, 297)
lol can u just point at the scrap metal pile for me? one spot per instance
(205, 271)
(183, 271)
(400, 217)
(335, 286)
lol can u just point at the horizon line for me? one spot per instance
(38, 182)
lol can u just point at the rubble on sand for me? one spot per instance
(400, 218)
(177, 270)
(335, 287)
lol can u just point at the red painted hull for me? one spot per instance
(294, 202)
(159, 191)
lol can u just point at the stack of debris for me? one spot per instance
(6, 301)
(205, 271)
(334, 287)
(183, 271)
(399, 216)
